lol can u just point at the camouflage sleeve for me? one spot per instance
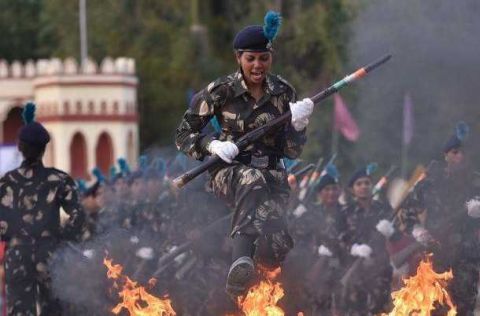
(69, 201)
(189, 137)
(294, 141)
(5, 203)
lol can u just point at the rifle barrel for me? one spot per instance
(257, 133)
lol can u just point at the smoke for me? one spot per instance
(131, 234)
(435, 46)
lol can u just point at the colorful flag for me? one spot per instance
(343, 121)
(407, 120)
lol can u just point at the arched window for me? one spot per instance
(78, 156)
(104, 152)
(12, 125)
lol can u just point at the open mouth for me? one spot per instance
(257, 75)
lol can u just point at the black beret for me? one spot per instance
(251, 38)
(326, 180)
(458, 138)
(366, 171)
(34, 134)
(452, 143)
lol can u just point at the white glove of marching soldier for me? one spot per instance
(385, 227)
(301, 111)
(324, 251)
(225, 150)
(361, 250)
(422, 235)
(473, 207)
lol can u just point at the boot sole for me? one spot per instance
(238, 279)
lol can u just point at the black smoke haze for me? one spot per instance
(435, 46)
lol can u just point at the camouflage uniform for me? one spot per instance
(318, 226)
(30, 198)
(255, 184)
(368, 291)
(440, 202)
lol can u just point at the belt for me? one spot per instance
(260, 162)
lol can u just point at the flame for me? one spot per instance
(136, 300)
(422, 291)
(262, 298)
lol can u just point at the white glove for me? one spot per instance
(134, 240)
(473, 208)
(145, 253)
(421, 235)
(385, 227)
(225, 150)
(301, 111)
(361, 250)
(299, 210)
(88, 253)
(324, 251)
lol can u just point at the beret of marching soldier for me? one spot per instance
(331, 176)
(363, 172)
(258, 38)
(458, 138)
(32, 133)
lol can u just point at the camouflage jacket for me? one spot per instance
(30, 201)
(318, 226)
(238, 112)
(439, 205)
(358, 225)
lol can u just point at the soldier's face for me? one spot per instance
(362, 188)
(329, 194)
(455, 157)
(255, 66)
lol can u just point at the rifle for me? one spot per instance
(313, 177)
(382, 182)
(309, 191)
(417, 176)
(292, 178)
(259, 132)
(165, 260)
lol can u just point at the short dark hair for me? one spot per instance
(31, 152)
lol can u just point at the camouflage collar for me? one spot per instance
(273, 85)
(239, 85)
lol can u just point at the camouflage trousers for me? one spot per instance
(28, 282)
(369, 292)
(463, 287)
(257, 197)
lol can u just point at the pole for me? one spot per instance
(83, 32)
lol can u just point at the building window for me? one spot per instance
(115, 107)
(103, 107)
(78, 156)
(66, 108)
(79, 107)
(11, 126)
(91, 108)
(104, 152)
